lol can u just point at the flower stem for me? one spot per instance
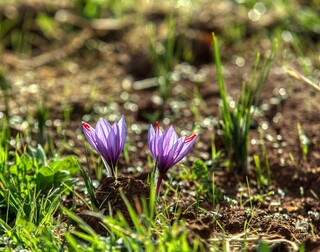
(110, 170)
(160, 177)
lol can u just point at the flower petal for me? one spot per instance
(151, 142)
(116, 144)
(90, 135)
(166, 141)
(107, 140)
(167, 148)
(189, 142)
(122, 133)
(172, 160)
(169, 160)
(105, 133)
(105, 153)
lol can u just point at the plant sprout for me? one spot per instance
(167, 149)
(164, 57)
(304, 141)
(236, 123)
(108, 140)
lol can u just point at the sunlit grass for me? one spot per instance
(236, 122)
(30, 193)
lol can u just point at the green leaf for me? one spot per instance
(13, 170)
(27, 162)
(39, 155)
(68, 164)
(263, 247)
(61, 175)
(45, 177)
(47, 25)
(200, 169)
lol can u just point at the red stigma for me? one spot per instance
(157, 125)
(189, 139)
(86, 126)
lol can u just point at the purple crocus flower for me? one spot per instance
(108, 140)
(167, 149)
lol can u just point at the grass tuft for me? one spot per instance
(236, 123)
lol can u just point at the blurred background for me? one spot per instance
(67, 61)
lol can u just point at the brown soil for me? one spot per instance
(284, 214)
(110, 197)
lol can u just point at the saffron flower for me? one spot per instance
(108, 140)
(167, 149)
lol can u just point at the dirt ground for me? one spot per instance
(108, 73)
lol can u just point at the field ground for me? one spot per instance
(68, 66)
